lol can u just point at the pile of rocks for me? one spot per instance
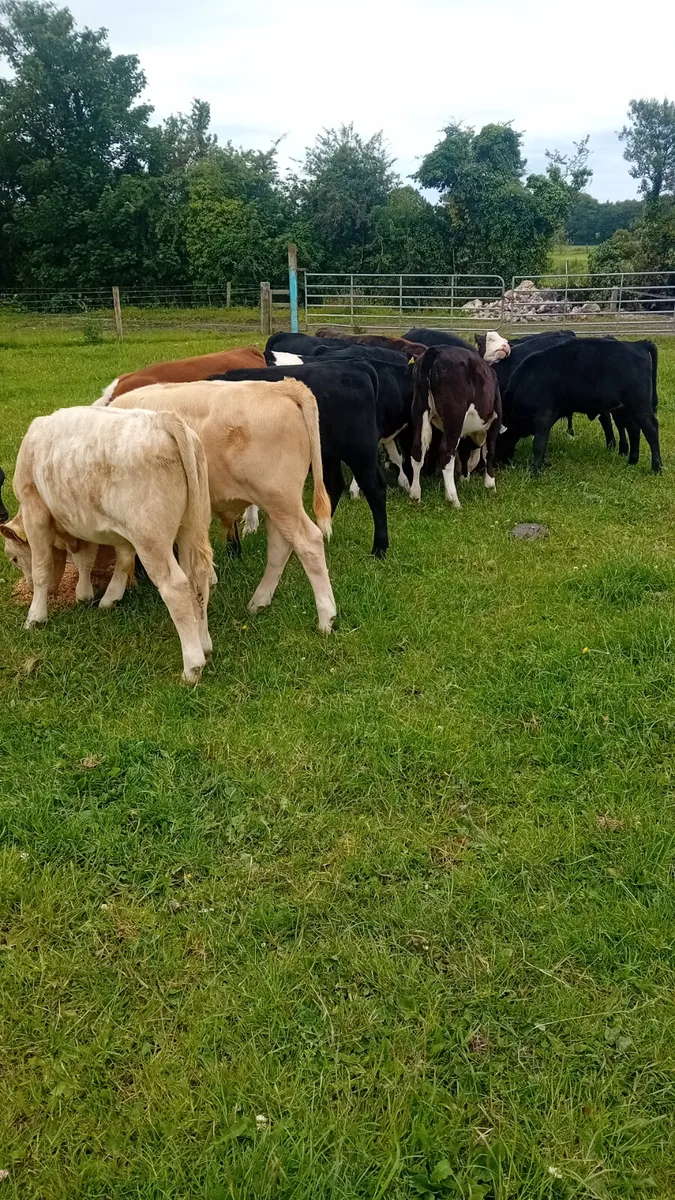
(530, 303)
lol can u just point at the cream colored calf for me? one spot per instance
(137, 481)
(260, 439)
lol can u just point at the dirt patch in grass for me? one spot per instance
(22, 594)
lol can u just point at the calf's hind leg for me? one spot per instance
(84, 558)
(278, 553)
(174, 588)
(307, 541)
(125, 559)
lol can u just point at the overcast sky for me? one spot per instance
(272, 69)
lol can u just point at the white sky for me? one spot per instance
(292, 68)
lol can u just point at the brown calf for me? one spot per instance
(183, 370)
(454, 390)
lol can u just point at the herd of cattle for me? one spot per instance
(145, 467)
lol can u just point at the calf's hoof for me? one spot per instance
(33, 622)
(192, 675)
(379, 552)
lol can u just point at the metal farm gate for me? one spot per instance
(371, 301)
(625, 303)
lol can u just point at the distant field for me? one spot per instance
(384, 915)
(576, 258)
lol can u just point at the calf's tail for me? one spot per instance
(306, 401)
(198, 508)
(421, 374)
(653, 350)
(107, 394)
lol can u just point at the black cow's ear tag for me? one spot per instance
(411, 362)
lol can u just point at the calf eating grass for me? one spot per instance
(260, 439)
(182, 370)
(457, 392)
(137, 481)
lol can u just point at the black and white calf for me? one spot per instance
(454, 390)
(491, 345)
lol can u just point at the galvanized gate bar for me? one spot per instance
(613, 303)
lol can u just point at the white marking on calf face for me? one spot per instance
(283, 358)
(496, 347)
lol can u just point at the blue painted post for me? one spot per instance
(293, 285)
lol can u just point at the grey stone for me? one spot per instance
(529, 531)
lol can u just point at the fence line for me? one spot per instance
(628, 303)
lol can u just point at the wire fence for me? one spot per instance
(625, 303)
(91, 313)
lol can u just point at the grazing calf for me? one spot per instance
(4, 515)
(491, 345)
(260, 439)
(182, 370)
(594, 376)
(346, 396)
(459, 394)
(136, 481)
(284, 349)
(394, 399)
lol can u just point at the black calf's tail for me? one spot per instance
(654, 352)
(421, 373)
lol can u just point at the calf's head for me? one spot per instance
(16, 545)
(492, 347)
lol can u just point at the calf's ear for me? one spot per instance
(14, 534)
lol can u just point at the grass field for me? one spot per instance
(385, 915)
(576, 258)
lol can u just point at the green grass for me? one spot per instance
(576, 258)
(406, 893)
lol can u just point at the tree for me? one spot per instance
(235, 219)
(183, 140)
(589, 222)
(572, 169)
(499, 224)
(343, 182)
(650, 145)
(69, 127)
(410, 235)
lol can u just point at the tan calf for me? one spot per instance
(137, 481)
(260, 439)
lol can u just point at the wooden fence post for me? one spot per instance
(228, 293)
(118, 313)
(265, 309)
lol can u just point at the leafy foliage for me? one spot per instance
(589, 222)
(93, 193)
(499, 224)
(650, 145)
